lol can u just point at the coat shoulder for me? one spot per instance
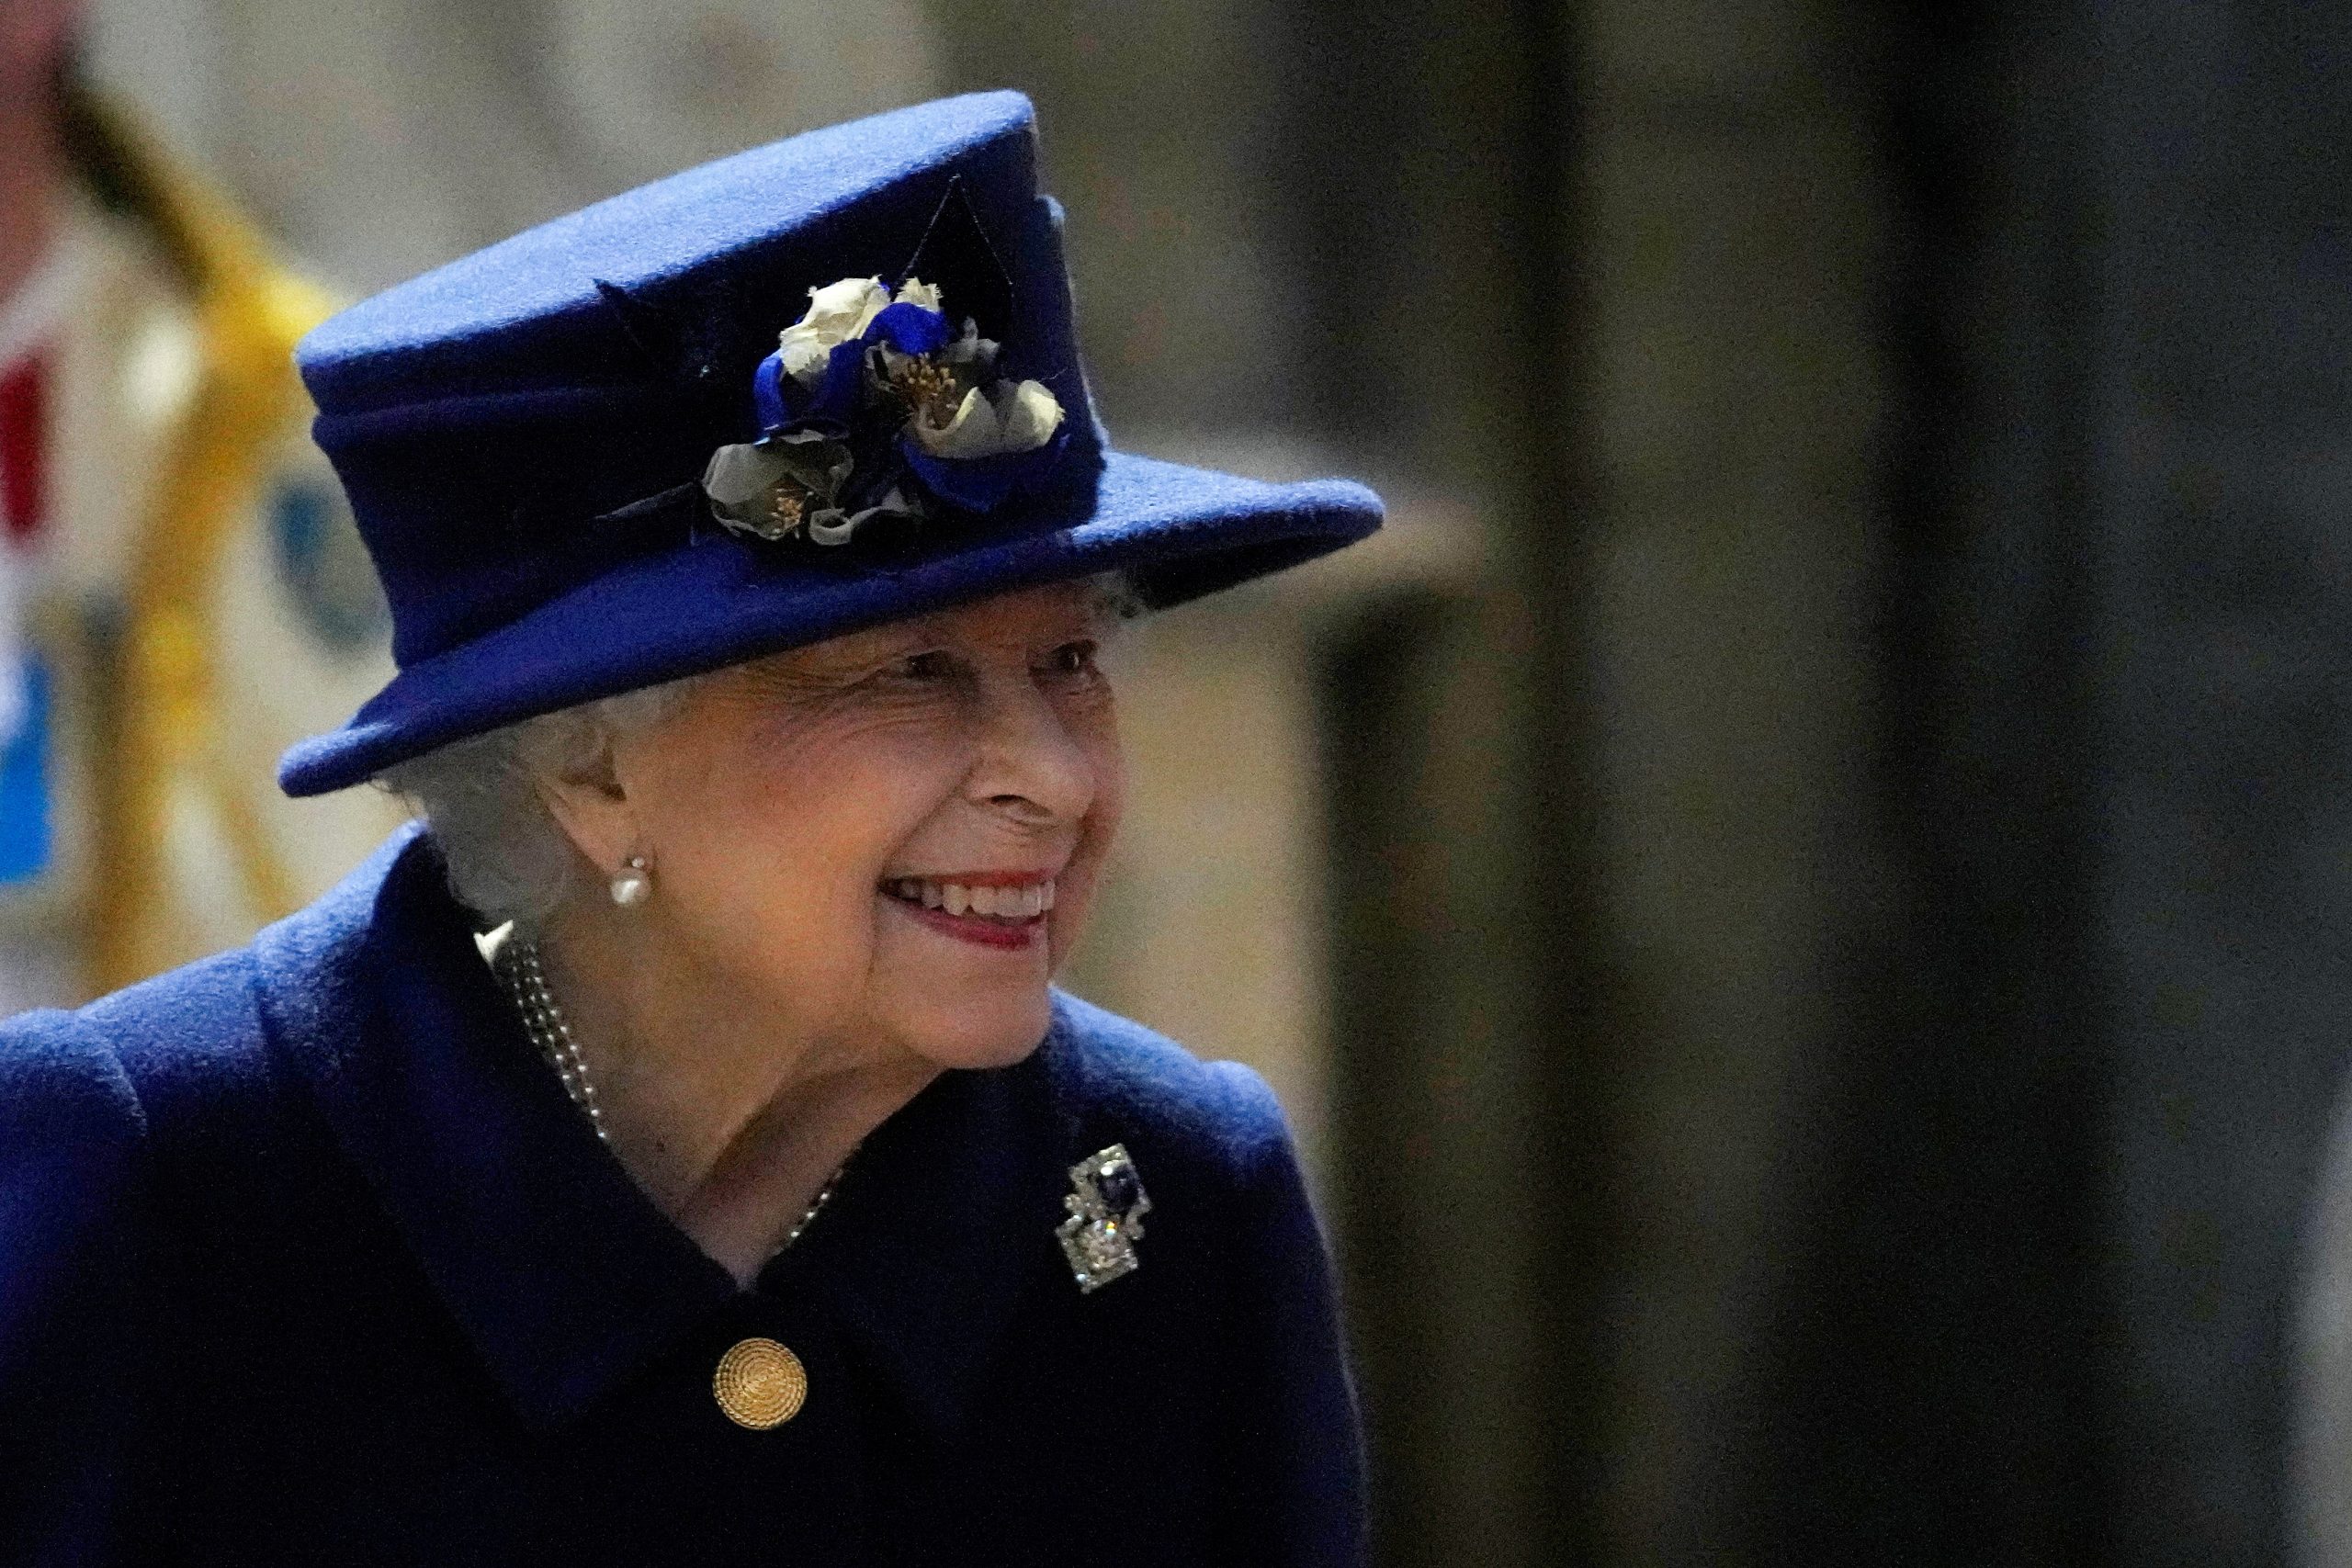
(188, 1039)
(202, 1042)
(173, 1077)
(70, 1125)
(1111, 1072)
(94, 1104)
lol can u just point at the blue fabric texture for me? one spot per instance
(306, 1258)
(522, 433)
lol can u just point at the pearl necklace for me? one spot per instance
(525, 975)
(526, 981)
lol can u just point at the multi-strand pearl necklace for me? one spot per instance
(519, 965)
(526, 981)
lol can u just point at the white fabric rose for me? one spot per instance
(838, 313)
(1018, 417)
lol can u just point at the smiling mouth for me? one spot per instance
(1010, 918)
(1011, 906)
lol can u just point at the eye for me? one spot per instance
(1073, 659)
(932, 664)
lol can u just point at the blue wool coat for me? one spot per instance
(306, 1258)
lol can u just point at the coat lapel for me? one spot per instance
(562, 1274)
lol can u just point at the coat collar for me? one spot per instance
(564, 1275)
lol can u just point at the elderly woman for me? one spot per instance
(674, 1148)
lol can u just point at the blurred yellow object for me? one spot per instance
(160, 743)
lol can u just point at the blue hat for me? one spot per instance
(821, 385)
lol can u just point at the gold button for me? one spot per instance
(760, 1383)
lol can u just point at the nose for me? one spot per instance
(1030, 764)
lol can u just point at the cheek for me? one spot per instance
(775, 852)
(1096, 835)
(1110, 796)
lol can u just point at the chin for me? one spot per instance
(967, 1032)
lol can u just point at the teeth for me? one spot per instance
(1005, 903)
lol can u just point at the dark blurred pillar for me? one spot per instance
(1730, 230)
(2046, 1320)
(1451, 1201)
(2220, 530)
(1945, 1326)
(1423, 156)
(1608, 270)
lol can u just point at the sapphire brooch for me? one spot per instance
(1106, 1209)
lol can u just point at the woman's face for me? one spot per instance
(820, 824)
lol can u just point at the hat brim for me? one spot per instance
(1181, 531)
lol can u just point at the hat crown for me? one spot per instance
(532, 310)
(515, 425)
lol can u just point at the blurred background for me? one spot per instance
(1796, 896)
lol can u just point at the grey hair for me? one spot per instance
(508, 858)
(483, 798)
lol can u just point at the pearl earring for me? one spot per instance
(632, 887)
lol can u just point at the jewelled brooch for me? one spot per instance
(1106, 1209)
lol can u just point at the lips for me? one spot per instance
(1000, 909)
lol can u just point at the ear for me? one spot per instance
(584, 792)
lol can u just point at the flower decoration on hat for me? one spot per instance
(873, 405)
